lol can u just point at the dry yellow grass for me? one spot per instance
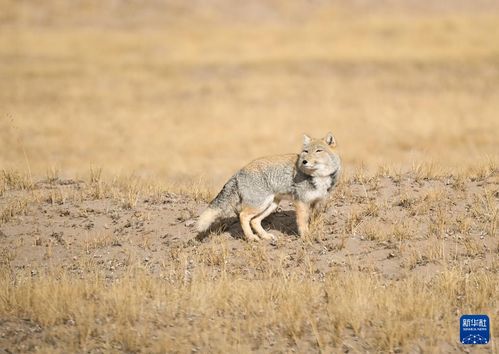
(197, 97)
(288, 304)
(199, 310)
(226, 296)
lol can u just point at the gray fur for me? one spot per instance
(228, 198)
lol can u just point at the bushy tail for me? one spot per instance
(223, 205)
(208, 217)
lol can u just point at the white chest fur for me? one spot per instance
(320, 191)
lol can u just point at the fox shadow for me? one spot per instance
(281, 221)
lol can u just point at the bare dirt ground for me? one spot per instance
(432, 240)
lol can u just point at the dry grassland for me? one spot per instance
(392, 262)
(119, 121)
(196, 98)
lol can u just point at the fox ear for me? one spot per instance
(306, 140)
(330, 140)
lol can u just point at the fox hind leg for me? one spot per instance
(245, 216)
(256, 222)
(248, 212)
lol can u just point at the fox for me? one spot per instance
(255, 191)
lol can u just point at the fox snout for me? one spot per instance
(309, 163)
(312, 164)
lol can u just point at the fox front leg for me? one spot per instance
(302, 217)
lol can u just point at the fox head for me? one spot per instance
(318, 157)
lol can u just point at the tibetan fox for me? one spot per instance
(255, 191)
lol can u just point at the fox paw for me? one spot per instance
(252, 238)
(268, 236)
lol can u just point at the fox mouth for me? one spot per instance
(310, 170)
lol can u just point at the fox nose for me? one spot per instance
(305, 162)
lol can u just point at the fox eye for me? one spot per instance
(319, 150)
(305, 151)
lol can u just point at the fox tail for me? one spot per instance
(223, 205)
(208, 217)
